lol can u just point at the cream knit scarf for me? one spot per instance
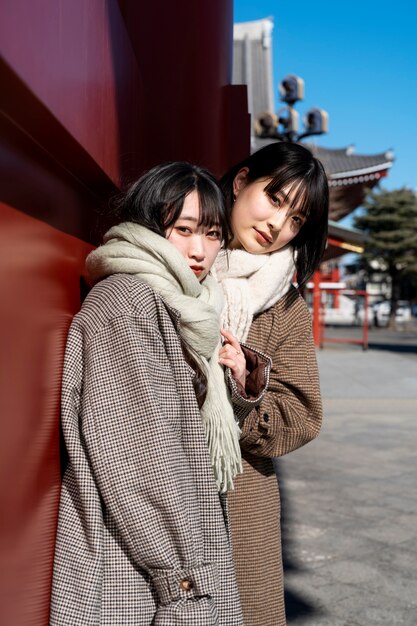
(251, 283)
(132, 249)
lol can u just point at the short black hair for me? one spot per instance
(292, 166)
(155, 201)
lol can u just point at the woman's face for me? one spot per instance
(262, 223)
(199, 245)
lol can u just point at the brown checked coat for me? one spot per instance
(142, 536)
(288, 416)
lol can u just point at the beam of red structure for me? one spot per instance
(92, 94)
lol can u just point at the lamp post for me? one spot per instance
(283, 125)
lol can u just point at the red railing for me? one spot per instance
(319, 306)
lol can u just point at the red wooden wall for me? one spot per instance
(91, 93)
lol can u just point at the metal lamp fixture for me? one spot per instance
(284, 125)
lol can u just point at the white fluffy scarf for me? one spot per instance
(251, 283)
(133, 249)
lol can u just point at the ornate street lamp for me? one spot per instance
(283, 125)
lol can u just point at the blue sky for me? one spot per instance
(358, 61)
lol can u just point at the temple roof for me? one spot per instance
(344, 167)
(343, 164)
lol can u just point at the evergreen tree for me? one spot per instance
(390, 221)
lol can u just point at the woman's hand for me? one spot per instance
(231, 355)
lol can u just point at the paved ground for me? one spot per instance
(350, 497)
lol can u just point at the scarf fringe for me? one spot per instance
(223, 434)
(224, 452)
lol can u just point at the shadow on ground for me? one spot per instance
(402, 340)
(394, 347)
(296, 606)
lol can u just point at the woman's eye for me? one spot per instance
(275, 200)
(297, 220)
(184, 229)
(214, 234)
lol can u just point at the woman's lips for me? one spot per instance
(197, 269)
(263, 238)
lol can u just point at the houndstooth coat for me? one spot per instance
(142, 536)
(288, 417)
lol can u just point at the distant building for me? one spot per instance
(252, 63)
(350, 175)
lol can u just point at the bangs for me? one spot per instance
(304, 195)
(296, 195)
(211, 203)
(209, 214)
(212, 210)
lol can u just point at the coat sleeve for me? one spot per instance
(258, 368)
(133, 443)
(290, 412)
